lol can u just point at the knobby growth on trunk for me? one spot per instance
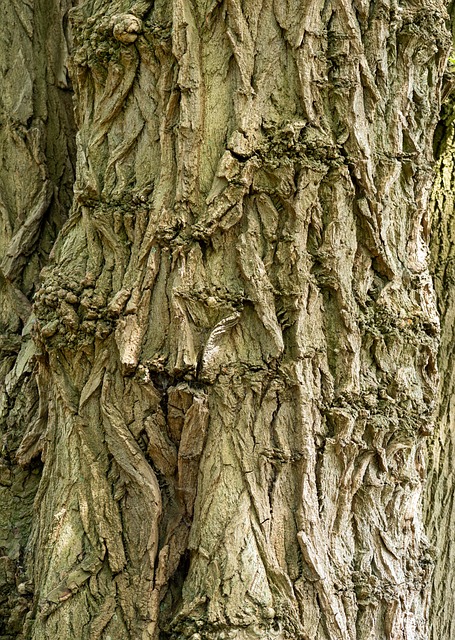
(234, 341)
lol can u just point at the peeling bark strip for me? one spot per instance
(238, 329)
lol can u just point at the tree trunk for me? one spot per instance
(236, 336)
(36, 178)
(441, 484)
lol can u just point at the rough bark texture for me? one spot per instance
(236, 336)
(440, 510)
(36, 178)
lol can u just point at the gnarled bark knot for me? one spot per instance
(126, 27)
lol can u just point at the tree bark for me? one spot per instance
(236, 334)
(440, 489)
(37, 153)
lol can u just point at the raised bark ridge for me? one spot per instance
(238, 329)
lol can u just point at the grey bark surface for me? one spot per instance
(234, 342)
